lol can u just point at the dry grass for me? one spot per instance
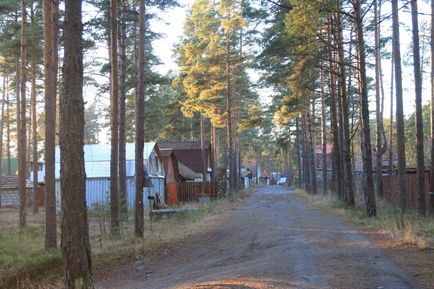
(407, 229)
(25, 264)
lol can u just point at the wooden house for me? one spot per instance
(190, 155)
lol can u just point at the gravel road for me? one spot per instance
(271, 240)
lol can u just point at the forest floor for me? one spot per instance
(277, 239)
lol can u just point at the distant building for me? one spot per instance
(97, 166)
(319, 155)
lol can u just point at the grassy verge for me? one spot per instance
(25, 264)
(408, 229)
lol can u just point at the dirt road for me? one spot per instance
(272, 240)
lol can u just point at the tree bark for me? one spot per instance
(379, 120)
(50, 82)
(123, 204)
(431, 185)
(2, 123)
(346, 140)
(22, 134)
(399, 109)
(34, 124)
(75, 231)
(369, 194)
(334, 120)
(139, 120)
(114, 129)
(420, 166)
(323, 132)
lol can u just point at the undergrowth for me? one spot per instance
(407, 229)
(25, 264)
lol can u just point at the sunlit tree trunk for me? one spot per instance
(75, 231)
(323, 134)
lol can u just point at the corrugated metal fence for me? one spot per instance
(98, 191)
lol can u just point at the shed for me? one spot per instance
(9, 195)
(97, 166)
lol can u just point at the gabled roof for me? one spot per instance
(183, 145)
(188, 153)
(187, 173)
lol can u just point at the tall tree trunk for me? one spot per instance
(75, 231)
(311, 152)
(297, 135)
(202, 147)
(420, 166)
(2, 123)
(8, 135)
(399, 109)
(50, 81)
(34, 124)
(323, 134)
(379, 120)
(114, 129)
(334, 120)
(431, 185)
(391, 162)
(123, 204)
(346, 140)
(369, 194)
(22, 135)
(140, 117)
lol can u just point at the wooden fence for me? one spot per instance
(390, 188)
(190, 192)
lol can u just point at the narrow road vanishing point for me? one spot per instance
(272, 240)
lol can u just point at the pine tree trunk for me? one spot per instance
(8, 135)
(391, 162)
(123, 204)
(346, 140)
(420, 166)
(34, 124)
(334, 120)
(379, 126)
(369, 194)
(50, 81)
(114, 129)
(297, 135)
(431, 185)
(323, 134)
(140, 107)
(75, 231)
(399, 109)
(22, 134)
(2, 123)
(311, 152)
